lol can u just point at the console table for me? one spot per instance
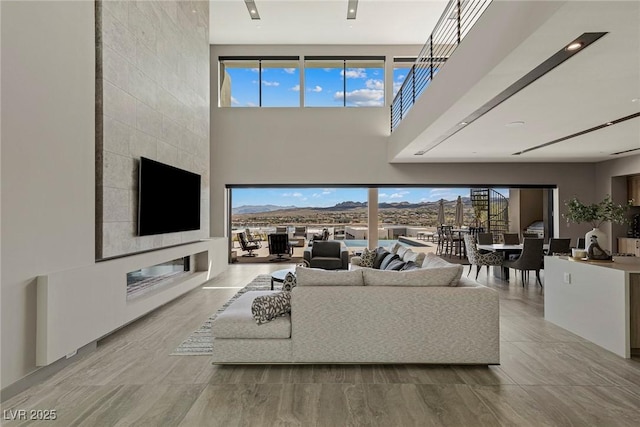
(599, 301)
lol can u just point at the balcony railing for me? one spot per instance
(454, 24)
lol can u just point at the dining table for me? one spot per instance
(507, 250)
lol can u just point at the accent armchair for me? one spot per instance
(330, 255)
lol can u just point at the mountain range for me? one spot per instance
(342, 206)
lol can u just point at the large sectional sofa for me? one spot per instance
(365, 315)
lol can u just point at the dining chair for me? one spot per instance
(485, 238)
(510, 238)
(530, 236)
(559, 246)
(530, 259)
(479, 259)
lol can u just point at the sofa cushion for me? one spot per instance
(289, 282)
(432, 260)
(443, 276)
(395, 264)
(267, 307)
(237, 321)
(417, 257)
(367, 258)
(394, 247)
(326, 262)
(381, 253)
(318, 277)
(387, 259)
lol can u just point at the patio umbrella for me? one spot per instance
(459, 212)
(441, 212)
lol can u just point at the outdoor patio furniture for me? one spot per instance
(246, 245)
(279, 246)
(329, 255)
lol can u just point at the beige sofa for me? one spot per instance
(367, 316)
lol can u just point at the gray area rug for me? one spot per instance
(200, 342)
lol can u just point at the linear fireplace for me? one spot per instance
(149, 278)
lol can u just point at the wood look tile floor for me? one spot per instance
(547, 377)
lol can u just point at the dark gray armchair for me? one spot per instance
(330, 255)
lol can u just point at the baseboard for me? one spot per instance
(44, 373)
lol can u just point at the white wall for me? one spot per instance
(284, 146)
(48, 72)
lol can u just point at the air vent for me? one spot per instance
(625, 151)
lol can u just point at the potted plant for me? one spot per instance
(596, 214)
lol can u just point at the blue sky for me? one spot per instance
(323, 86)
(323, 197)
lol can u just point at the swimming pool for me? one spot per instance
(363, 243)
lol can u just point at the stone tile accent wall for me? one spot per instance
(152, 100)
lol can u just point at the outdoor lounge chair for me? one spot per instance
(246, 245)
(279, 246)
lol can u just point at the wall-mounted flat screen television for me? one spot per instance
(168, 199)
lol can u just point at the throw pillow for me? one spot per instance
(289, 282)
(319, 277)
(367, 258)
(394, 248)
(267, 307)
(387, 260)
(381, 253)
(410, 265)
(445, 276)
(417, 257)
(396, 264)
(401, 251)
(432, 260)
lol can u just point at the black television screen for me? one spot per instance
(168, 199)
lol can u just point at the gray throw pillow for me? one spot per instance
(409, 265)
(396, 264)
(381, 254)
(267, 307)
(390, 257)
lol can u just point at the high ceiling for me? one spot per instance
(597, 85)
(324, 22)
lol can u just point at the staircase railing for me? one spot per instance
(454, 24)
(491, 209)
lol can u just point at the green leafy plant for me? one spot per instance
(596, 213)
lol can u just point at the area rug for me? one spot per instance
(200, 342)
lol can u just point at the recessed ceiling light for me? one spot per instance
(515, 124)
(193, 11)
(463, 123)
(352, 9)
(574, 46)
(609, 123)
(635, 100)
(253, 10)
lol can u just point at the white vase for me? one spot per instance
(602, 239)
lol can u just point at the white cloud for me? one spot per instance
(255, 70)
(354, 73)
(297, 195)
(362, 97)
(328, 69)
(374, 84)
(315, 89)
(396, 86)
(296, 88)
(290, 70)
(396, 195)
(234, 101)
(268, 83)
(251, 104)
(400, 77)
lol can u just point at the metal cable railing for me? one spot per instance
(454, 24)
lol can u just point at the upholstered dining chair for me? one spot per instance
(480, 259)
(511, 238)
(559, 246)
(530, 259)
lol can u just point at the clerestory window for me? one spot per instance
(343, 81)
(259, 81)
